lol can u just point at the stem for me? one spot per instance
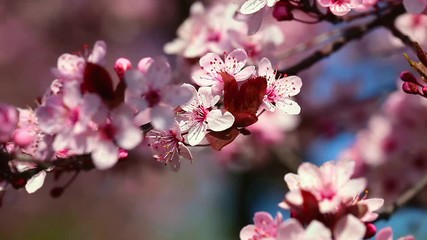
(404, 199)
(350, 34)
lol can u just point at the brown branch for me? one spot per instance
(403, 37)
(404, 199)
(349, 34)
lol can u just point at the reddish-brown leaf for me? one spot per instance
(218, 140)
(97, 80)
(243, 102)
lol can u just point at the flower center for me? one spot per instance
(200, 114)
(153, 98)
(108, 131)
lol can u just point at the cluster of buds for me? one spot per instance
(411, 84)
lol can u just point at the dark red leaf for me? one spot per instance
(97, 80)
(218, 140)
(243, 103)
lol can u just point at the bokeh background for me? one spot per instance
(217, 195)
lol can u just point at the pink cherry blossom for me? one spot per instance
(199, 115)
(8, 121)
(330, 192)
(262, 44)
(265, 227)
(387, 234)
(329, 183)
(149, 88)
(68, 117)
(279, 90)
(168, 146)
(206, 30)
(212, 66)
(415, 26)
(340, 7)
(293, 230)
(117, 130)
(415, 6)
(71, 67)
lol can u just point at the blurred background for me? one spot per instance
(217, 195)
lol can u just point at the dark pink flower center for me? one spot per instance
(271, 95)
(214, 37)
(338, 2)
(153, 98)
(74, 116)
(108, 131)
(200, 114)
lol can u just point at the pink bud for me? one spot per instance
(123, 153)
(410, 88)
(144, 64)
(8, 121)
(282, 11)
(121, 66)
(371, 230)
(424, 89)
(408, 77)
(23, 137)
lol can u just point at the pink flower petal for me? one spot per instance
(105, 155)
(98, 53)
(246, 73)
(176, 95)
(159, 73)
(247, 232)
(236, 60)
(162, 117)
(349, 228)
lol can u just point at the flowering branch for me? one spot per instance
(349, 34)
(404, 199)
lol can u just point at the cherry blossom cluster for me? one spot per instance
(325, 203)
(229, 98)
(392, 142)
(84, 113)
(215, 29)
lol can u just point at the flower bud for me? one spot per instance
(282, 11)
(121, 66)
(410, 88)
(8, 121)
(22, 137)
(408, 77)
(371, 230)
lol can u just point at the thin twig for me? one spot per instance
(404, 199)
(350, 34)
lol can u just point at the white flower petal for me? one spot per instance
(246, 73)
(36, 182)
(105, 155)
(288, 106)
(197, 133)
(218, 122)
(252, 6)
